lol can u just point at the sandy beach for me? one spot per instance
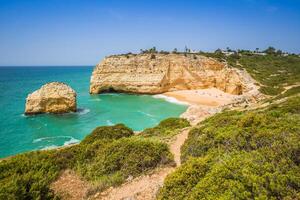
(205, 97)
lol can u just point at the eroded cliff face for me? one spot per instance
(54, 97)
(159, 73)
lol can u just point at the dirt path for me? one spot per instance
(146, 187)
(70, 186)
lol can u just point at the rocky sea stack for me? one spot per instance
(54, 97)
(158, 73)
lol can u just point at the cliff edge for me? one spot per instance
(159, 73)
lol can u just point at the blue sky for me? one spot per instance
(82, 32)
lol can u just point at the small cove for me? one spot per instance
(21, 133)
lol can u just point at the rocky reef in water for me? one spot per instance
(158, 73)
(54, 97)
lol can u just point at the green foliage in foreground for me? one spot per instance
(166, 128)
(107, 132)
(107, 157)
(241, 155)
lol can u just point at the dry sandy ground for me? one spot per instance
(70, 186)
(146, 187)
(206, 97)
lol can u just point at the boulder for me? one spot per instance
(54, 97)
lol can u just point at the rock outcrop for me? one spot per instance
(54, 97)
(159, 73)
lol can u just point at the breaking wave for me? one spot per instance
(169, 99)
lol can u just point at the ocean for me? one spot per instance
(20, 133)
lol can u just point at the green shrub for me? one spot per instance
(248, 175)
(241, 155)
(174, 123)
(107, 157)
(108, 132)
(127, 157)
(178, 185)
(166, 128)
(27, 176)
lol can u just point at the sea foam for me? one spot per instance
(50, 138)
(50, 147)
(170, 99)
(71, 141)
(144, 113)
(83, 111)
(109, 123)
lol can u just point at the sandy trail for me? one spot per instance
(70, 186)
(146, 187)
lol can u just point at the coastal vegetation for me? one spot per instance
(250, 154)
(271, 68)
(106, 157)
(272, 71)
(166, 129)
(290, 92)
(241, 155)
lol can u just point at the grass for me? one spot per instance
(273, 72)
(241, 155)
(290, 92)
(106, 157)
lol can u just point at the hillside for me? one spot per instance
(109, 156)
(273, 72)
(248, 150)
(241, 155)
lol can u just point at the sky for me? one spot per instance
(82, 32)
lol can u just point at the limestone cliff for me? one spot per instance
(52, 97)
(158, 73)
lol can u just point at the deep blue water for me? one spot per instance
(19, 133)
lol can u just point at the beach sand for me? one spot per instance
(206, 97)
(202, 102)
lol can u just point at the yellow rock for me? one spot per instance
(159, 73)
(54, 97)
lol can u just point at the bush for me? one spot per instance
(108, 132)
(166, 128)
(27, 176)
(241, 155)
(107, 157)
(127, 157)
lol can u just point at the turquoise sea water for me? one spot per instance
(19, 133)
